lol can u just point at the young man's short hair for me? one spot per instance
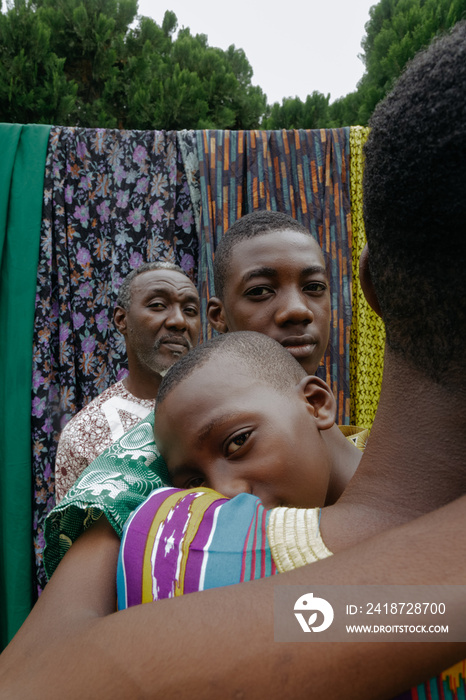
(415, 208)
(250, 225)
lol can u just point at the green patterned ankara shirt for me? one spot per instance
(114, 484)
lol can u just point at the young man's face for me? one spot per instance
(277, 285)
(163, 320)
(223, 429)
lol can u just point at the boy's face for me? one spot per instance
(277, 285)
(223, 429)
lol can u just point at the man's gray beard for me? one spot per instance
(152, 361)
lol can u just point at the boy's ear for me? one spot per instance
(216, 315)
(366, 281)
(119, 318)
(320, 399)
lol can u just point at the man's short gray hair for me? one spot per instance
(124, 293)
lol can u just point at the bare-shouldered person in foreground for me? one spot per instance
(220, 643)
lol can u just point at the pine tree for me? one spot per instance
(95, 63)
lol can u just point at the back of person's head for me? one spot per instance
(415, 209)
(124, 292)
(257, 223)
(264, 358)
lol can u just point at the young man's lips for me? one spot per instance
(299, 346)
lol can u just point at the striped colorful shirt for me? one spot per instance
(181, 541)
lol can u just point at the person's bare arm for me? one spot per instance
(83, 590)
(219, 643)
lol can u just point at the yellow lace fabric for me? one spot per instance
(367, 337)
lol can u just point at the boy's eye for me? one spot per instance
(236, 442)
(315, 287)
(195, 482)
(258, 291)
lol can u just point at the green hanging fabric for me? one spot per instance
(23, 150)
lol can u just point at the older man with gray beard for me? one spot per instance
(157, 312)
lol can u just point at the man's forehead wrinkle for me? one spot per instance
(164, 276)
(191, 294)
(167, 288)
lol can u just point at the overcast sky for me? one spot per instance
(293, 46)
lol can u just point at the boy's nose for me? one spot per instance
(293, 308)
(230, 487)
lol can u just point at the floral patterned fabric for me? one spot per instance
(188, 146)
(112, 200)
(109, 416)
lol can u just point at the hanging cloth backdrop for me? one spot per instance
(367, 342)
(304, 173)
(23, 151)
(112, 200)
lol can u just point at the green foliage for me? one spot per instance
(295, 114)
(344, 111)
(396, 30)
(33, 84)
(97, 63)
(93, 63)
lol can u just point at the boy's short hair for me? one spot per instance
(124, 292)
(266, 359)
(415, 208)
(256, 223)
